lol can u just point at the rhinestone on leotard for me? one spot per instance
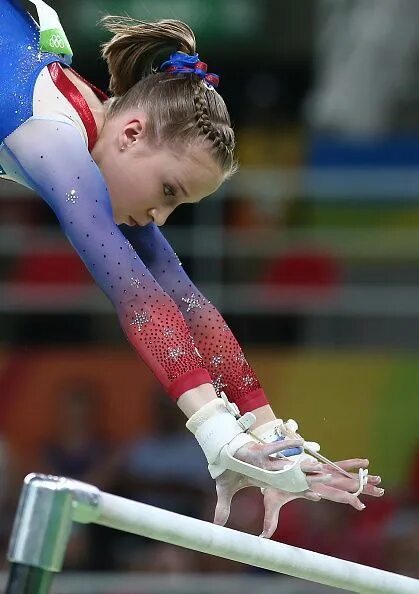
(176, 352)
(140, 320)
(219, 384)
(72, 196)
(193, 302)
(169, 332)
(135, 282)
(248, 380)
(216, 360)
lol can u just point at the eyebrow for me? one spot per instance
(182, 187)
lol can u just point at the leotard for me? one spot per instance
(46, 133)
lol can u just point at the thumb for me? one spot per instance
(270, 520)
(222, 509)
(283, 444)
(273, 502)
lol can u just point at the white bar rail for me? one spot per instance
(49, 505)
(138, 518)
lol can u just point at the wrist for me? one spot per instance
(192, 400)
(263, 414)
(216, 425)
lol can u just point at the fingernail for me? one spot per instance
(363, 506)
(381, 491)
(366, 461)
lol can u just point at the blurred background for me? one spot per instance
(312, 254)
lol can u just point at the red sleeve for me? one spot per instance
(221, 353)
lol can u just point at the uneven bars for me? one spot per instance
(49, 505)
(139, 518)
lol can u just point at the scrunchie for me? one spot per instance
(181, 63)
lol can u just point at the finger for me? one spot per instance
(312, 496)
(353, 463)
(284, 444)
(347, 484)
(318, 478)
(273, 504)
(222, 508)
(373, 491)
(311, 466)
(282, 463)
(339, 496)
(372, 479)
(270, 521)
(222, 512)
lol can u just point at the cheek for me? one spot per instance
(132, 185)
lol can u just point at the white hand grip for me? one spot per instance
(291, 478)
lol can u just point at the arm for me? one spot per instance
(221, 353)
(57, 164)
(54, 161)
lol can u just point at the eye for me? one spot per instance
(169, 190)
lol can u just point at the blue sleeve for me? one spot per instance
(221, 353)
(57, 164)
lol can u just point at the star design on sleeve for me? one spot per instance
(216, 360)
(240, 358)
(193, 302)
(168, 332)
(219, 384)
(176, 352)
(140, 320)
(248, 380)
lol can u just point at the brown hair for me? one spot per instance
(180, 107)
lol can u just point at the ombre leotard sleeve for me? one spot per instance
(220, 350)
(52, 158)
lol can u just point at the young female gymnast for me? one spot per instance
(112, 170)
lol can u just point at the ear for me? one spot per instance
(133, 131)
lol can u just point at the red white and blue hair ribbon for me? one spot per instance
(181, 63)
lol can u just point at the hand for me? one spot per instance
(258, 454)
(339, 489)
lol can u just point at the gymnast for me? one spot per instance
(113, 169)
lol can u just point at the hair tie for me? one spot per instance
(181, 63)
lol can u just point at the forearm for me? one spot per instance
(220, 351)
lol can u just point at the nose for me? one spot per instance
(159, 216)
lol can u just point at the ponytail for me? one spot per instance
(138, 47)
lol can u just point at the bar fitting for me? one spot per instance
(48, 505)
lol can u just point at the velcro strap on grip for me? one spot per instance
(214, 427)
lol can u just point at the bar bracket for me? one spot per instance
(48, 505)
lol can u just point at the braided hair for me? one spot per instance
(222, 138)
(180, 107)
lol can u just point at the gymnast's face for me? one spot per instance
(147, 183)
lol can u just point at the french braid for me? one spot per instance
(220, 139)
